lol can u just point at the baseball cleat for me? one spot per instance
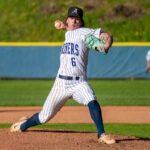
(105, 138)
(16, 126)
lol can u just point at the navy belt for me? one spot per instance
(68, 77)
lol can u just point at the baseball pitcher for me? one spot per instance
(71, 80)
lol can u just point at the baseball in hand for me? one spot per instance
(57, 24)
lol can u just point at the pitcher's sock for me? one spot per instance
(96, 115)
(34, 120)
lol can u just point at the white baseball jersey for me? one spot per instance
(74, 53)
(71, 79)
(148, 56)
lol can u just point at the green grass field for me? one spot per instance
(108, 92)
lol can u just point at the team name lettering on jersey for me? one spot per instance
(70, 48)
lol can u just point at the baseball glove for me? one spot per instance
(95, 43)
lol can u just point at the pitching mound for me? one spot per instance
(44, 139)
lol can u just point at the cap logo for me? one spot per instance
(75, 11)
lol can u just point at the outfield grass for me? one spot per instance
(108, 92)
(138, 130)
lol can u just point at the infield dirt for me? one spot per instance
(47, 139)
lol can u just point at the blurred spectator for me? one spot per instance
(148, 62)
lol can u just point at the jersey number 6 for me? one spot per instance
(73, 61)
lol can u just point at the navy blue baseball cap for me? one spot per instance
(76, 12)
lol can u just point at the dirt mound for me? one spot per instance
(65, 140)
(43, 139)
